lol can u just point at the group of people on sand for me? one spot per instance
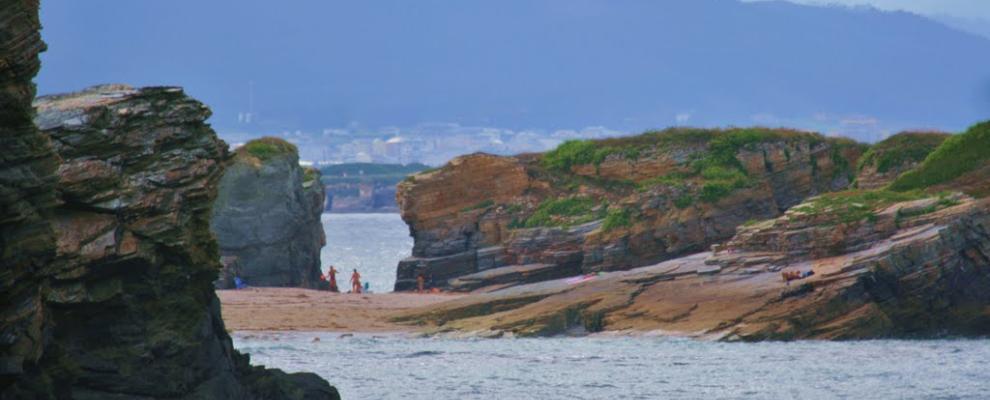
(331, 278)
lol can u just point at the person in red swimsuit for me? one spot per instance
(355, 282)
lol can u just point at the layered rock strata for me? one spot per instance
(126, 304)
(27, 199)
(608, 205)
(913, 269)
(267, 216)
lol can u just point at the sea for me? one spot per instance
(371, 243)
(603, 366)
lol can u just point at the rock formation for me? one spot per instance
(117, 301)
(913, 268)
(889, 158)
(908, 260)
(607, 205)
(267, 215)
(27, 198)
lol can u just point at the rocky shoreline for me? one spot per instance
(654, 197)
(907, 259)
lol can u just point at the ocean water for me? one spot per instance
(372, 243)
(365, 366)
(398, 367)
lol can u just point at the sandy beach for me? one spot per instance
(293, 309)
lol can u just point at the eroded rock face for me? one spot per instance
(127, 300)
(912, 271)
(469, 216)
(267, 215)
(27, 198)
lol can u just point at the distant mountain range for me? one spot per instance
(530, 64)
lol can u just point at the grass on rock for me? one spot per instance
(901, 148)
(267, 148)
(956, 156)
(564, 212)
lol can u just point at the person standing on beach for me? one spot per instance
(355, 282)
(420, 282)
(332, 275)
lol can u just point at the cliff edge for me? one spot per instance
(605, 205)
(909, 260)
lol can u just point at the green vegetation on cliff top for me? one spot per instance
(901, 148)
(956, 156)
(716, 171)
(723, 144)
(266, 148)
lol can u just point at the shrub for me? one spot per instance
(956, 156)
(617, 218)
(568, 154)
(714, 191)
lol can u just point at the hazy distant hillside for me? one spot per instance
(627, 65)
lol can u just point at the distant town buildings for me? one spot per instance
(432, 144)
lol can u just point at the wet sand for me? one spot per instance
(292, 309)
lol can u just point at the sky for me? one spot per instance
(971, 16)
(955, 8)
(627, 65)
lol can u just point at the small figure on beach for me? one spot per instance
(420, 282)
(355, 282)
(332, 275)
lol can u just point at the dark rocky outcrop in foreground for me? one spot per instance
(267, 216)
(110, 287)
(606, 205)
(27, 198)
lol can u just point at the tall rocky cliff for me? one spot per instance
(27, 198)
(108, 263)
(267, 216)
(609, 204)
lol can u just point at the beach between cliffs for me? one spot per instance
(295, 309)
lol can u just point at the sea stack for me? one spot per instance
(267, 217)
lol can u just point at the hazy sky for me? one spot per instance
(627, 65)
(955, 8)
